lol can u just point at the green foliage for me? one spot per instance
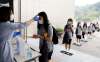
(59, 29)
(88, 13)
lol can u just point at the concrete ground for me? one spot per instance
(88, 52)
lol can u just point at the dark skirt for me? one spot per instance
(66, 38)
(83, 33)
(78, 36)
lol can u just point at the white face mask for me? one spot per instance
(69, 22)
(40, 22)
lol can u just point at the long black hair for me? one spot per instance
(78, 25)
(85, 25)
(45, 19)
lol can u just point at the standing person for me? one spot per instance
(45, 33)
(84, 30)
(6, 30)
(68, 33)
(97, 27)
(90, 30)
(78, 33)
(93, 28)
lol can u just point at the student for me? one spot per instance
(6, 30)
(45, 33)
(97, 26)
(84, 30)
(93, 28)
(68, 33)
(90, 29)
(78, 33)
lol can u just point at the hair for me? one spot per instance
(5, 13)
(78, 24)
(45, 19)
(85, 25)
(70, 19)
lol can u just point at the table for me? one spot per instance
(34, 56)
(29, 54)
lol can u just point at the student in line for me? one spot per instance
(84, 30)
(78, 33)
(90, 30)
(68, 33)
(6, 30)
(93, 28)
(45, 33)
(97, 27)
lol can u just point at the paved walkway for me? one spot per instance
(88, 52)
(92, 47)
(77, 57)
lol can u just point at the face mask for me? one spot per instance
(80, 25)
(40, 22)
(69, 22)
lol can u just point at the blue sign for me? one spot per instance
(16, 34)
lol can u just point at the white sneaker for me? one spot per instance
(79, 44)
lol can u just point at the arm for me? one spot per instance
(38, 36)
(29, 22)
(18, 25)
(72, 31)
(76, 31)
(50, 33)
(64, 28)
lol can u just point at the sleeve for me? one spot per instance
(65, 28)
(76, 31)
(72, 31)
(15, 26)
(50, 32)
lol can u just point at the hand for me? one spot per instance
(45, 35)
(38, 36)
(35, 36)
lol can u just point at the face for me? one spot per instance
(41, 21)
(80, 24)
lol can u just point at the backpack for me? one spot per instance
(55, 36)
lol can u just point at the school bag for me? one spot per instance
(55, 36)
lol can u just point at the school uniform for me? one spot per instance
(78, 32)
(68, 33)
(46, 47)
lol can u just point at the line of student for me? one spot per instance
(82, 32)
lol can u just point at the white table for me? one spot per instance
(28, 53)
(34, 56)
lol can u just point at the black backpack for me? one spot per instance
(55, 36)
